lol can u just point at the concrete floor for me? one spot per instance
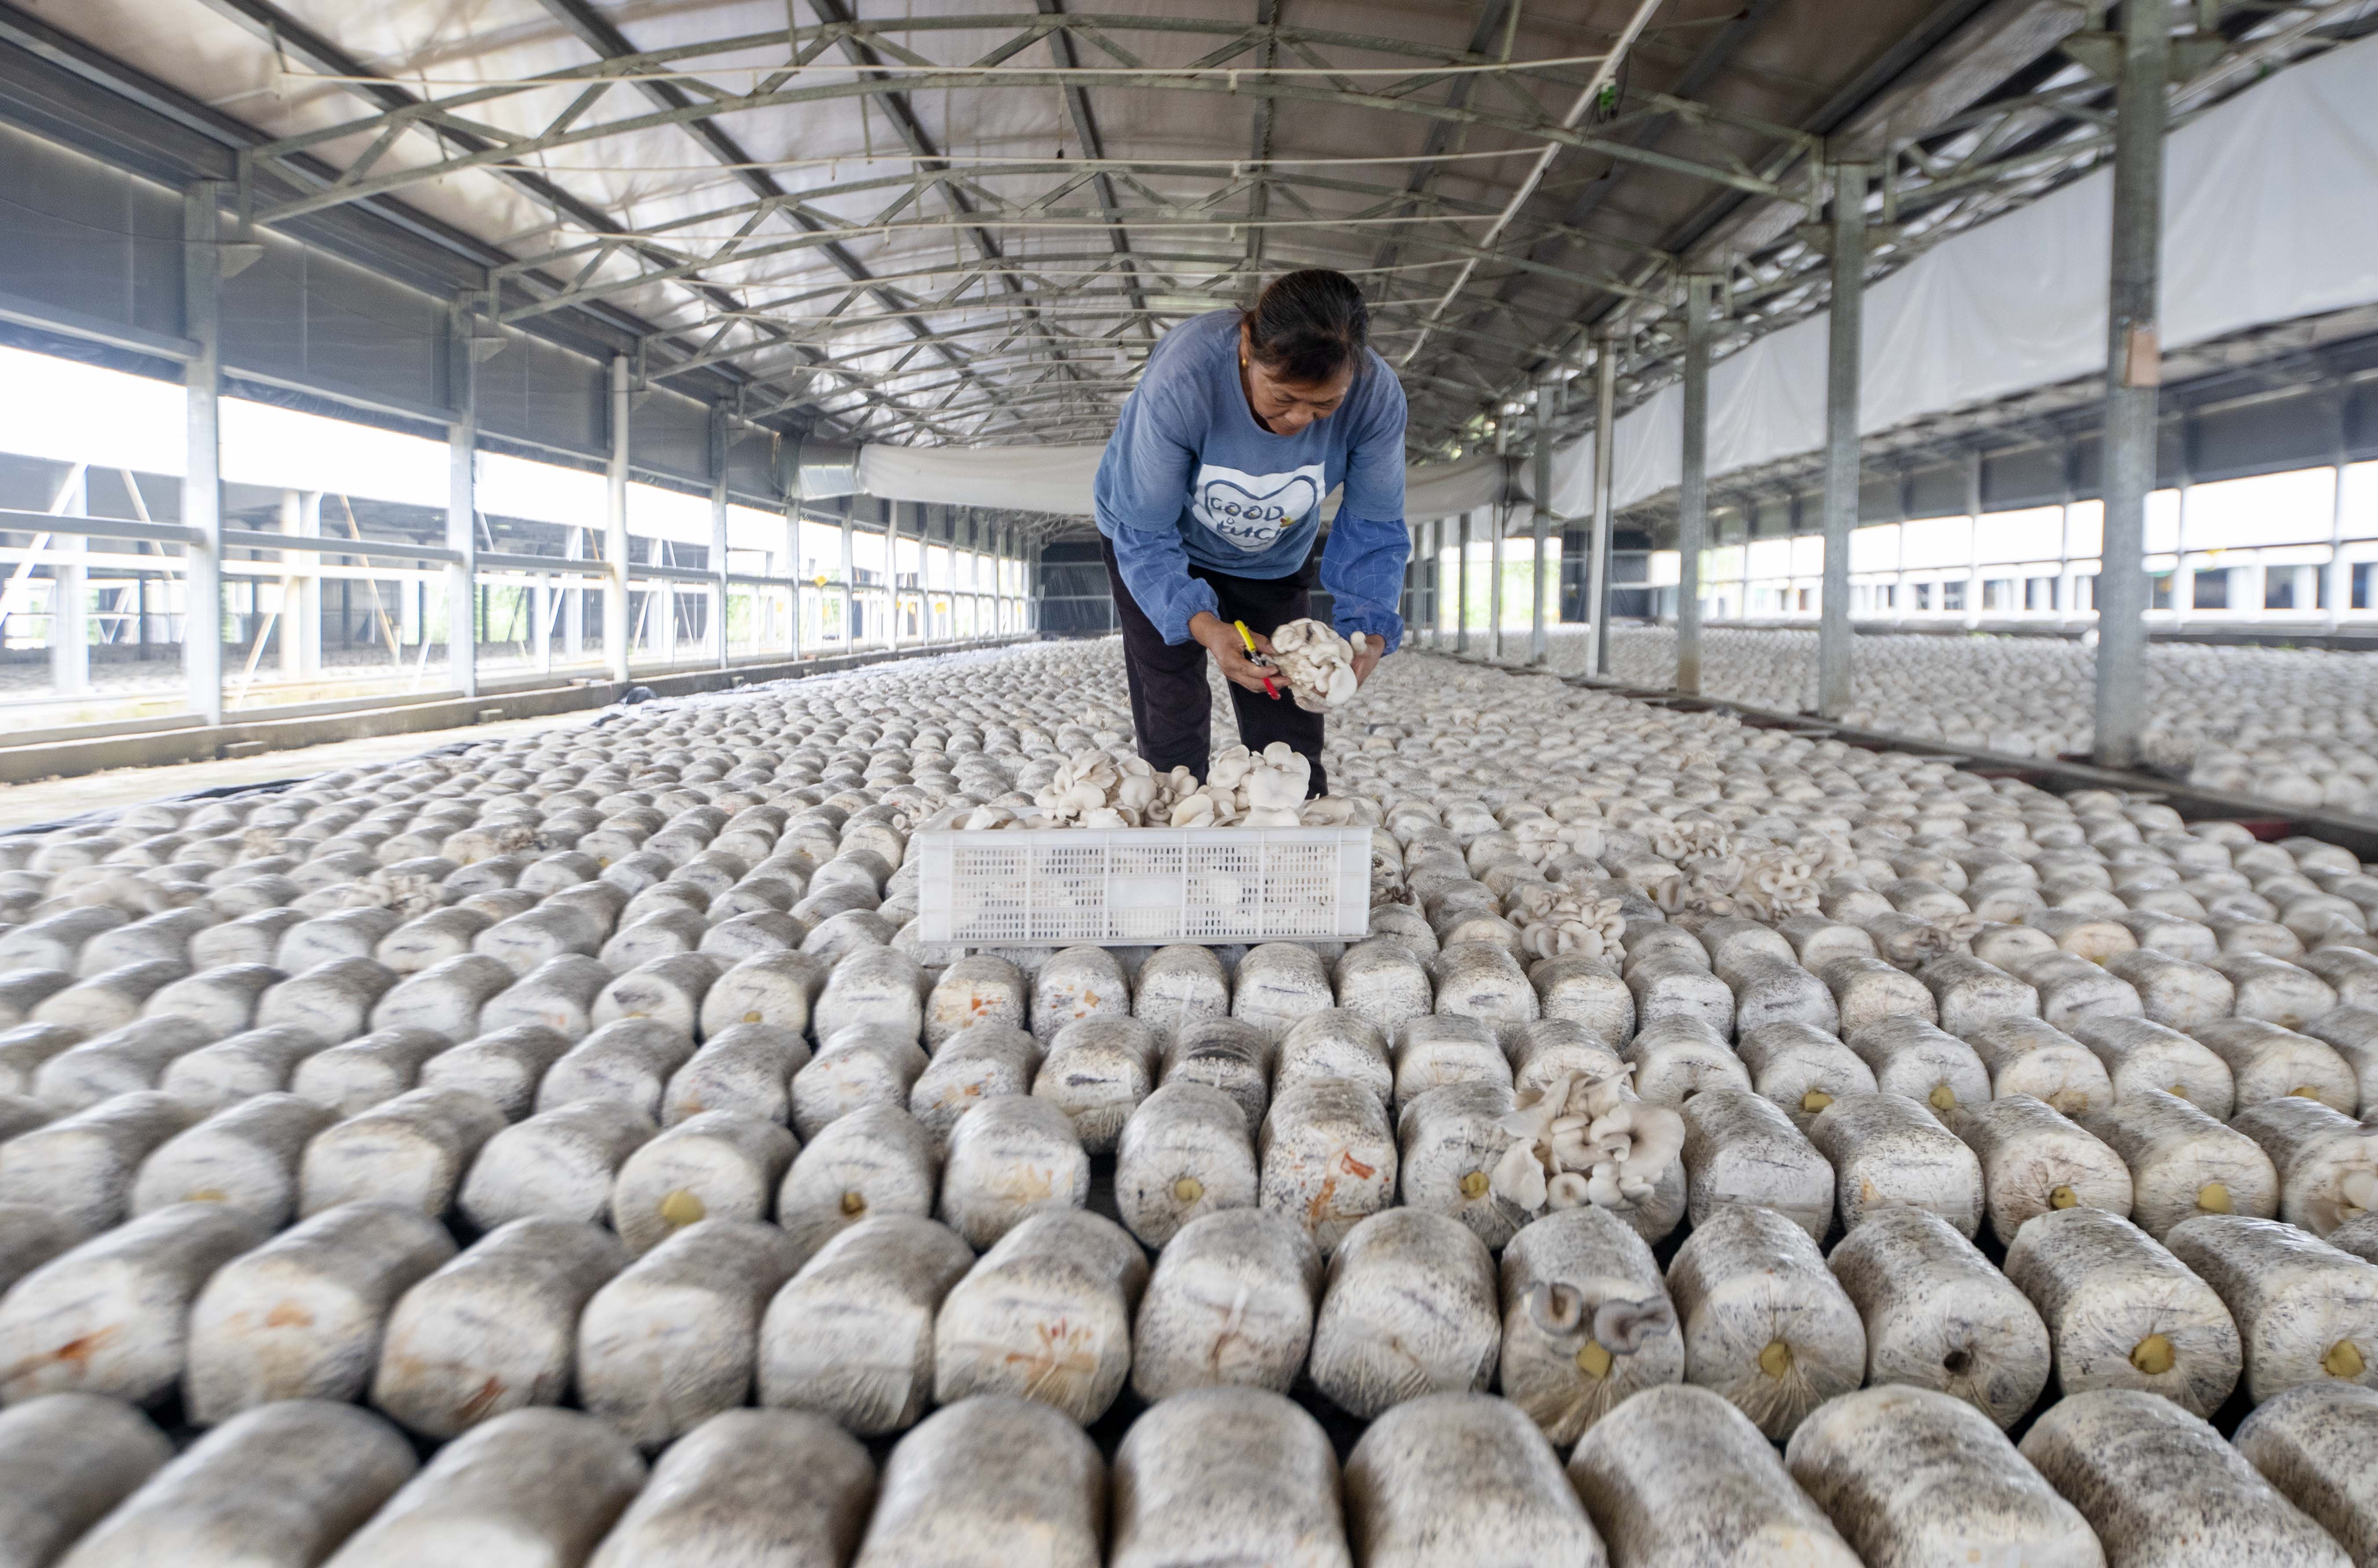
(51, 800)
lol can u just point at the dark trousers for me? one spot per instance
(1170, 707)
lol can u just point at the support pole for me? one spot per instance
(2133, 372)
(308, 610)
(291, 561)
(1547, 398)
(892, 563)
(202, 472)
(1407, 601)
(461, 518)
(1692, 492)
(850, 599)
(573, 599)
(1437, 571)
(615, 529)
(1462, 591)
(662, 599)
(1844, 342)
(793, 563)
(2336, 576)
(1605, 489)
(69, 626)
(1973, 539)
(1502, 516)
(718, 530)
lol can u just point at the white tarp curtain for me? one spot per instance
(2270, 213)
(1057, 479)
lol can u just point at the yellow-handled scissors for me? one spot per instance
(1249, 639)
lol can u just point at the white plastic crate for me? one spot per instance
(1131, 886)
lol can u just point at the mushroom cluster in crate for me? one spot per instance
(2295, 727)
(1723, 1140)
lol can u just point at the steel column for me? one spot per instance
(2336, 576)
(1462, 591)
(1605, 488)
(309, 590)
(1437, 569)
(1692, 491)
(1846, 339)
(462, 517)
(719, 528)
(615, 529)
(2133, 372)
(291, 561)
(849, 582)
(202, 472)
(1547, 398)
(70, 627)
(792, 492)
(660, 615)
(1409, 601)
(573, 599)
(1502, 516)
(892, 563)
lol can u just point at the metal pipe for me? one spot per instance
(202, 472)
(849, 602)
(719, 528)
(615, 528)
(461, 517)
(1605, 487)
(1603, 71)
(1461, 592)
(1547, 400)
(1844, 342)
(1502, 526)
(793, 561)
(1692, 490)
(69, 628)
(573, 600)
(892, 563)
(2133, 372)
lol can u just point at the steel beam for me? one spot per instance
(1605, 487)
(1539, 126)
(615, 528)
(2133, 372)
(1692, 489)
(202, 470)
(1844, 342)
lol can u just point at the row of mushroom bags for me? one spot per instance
(2289, 725)
(561, 1105)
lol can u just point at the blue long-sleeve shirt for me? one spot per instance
(1189, 476)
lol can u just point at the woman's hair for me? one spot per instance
(1308, 326)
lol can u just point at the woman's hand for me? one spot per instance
(1368, 659)
(1221, 639)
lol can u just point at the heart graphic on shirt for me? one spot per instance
(1251, 510)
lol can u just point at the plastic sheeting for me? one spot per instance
(1031, 479)
(2270, 213)
(1057, 479)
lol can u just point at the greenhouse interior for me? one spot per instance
(938, 785)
